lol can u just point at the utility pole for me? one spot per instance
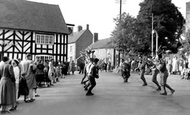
(120, 16)
(152, 41)
(152, 35)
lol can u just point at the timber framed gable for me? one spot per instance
(35, 28)
(16, 43)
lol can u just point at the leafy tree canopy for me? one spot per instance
(168, 22)
(135, 33)
(124, 32)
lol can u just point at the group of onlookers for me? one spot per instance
(23, 77)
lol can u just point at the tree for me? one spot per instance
(185, 43)
(168, 22)
(123, 33)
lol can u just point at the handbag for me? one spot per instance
(23, 88)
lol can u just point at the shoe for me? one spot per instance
(5, 111)
(89, 94)
(163, 93)
(125, 80)
(37, 95)
(26, 101)
(86, 89)
(13, 108)
(145, 84)
(172, 92)
(31, 100)
(159, 89)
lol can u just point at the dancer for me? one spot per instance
(93, 75)
(125, 69)
(163, 75)
(142, 70)
(87, 74)
(155, 72)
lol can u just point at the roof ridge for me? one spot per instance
(40, 2)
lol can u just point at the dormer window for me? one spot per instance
(44, 39)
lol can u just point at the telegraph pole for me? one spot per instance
(120, 16)
(152, 45)
(152, 36)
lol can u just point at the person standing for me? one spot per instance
(28, 71)
(82, 65)
(72, 65)
(92, 76)
(16, 69)
(51, 72)
(7, 86)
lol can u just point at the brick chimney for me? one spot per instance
(79, 28)
(95, 37)
(87, 26)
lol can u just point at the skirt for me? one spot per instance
(7, 91)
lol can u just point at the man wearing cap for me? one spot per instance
(93, 74)
(28, 71)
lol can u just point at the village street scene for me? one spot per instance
(54, 60)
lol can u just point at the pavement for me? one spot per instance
(112, 97)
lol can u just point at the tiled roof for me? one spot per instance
(101, 44)
(27, 15)
(75, 36)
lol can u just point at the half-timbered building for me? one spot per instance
(32, 27)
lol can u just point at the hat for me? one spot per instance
(96, 60)
(5, 59)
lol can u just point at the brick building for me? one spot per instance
(79, 41)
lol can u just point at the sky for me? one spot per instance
(99, 14)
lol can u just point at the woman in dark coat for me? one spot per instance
(7, 85)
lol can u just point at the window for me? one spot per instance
(44, 39)
(43, 57)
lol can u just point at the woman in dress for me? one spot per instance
(7, 85)
(16, 70)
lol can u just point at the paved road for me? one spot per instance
(112, 97)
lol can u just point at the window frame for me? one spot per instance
(44, 39)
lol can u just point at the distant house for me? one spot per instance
(104, 50)
(32, 27)
(79, 41)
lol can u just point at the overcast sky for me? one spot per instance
(99, 14)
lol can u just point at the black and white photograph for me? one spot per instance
(95, 57)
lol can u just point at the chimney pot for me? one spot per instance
(79, 28)
(87, 26)
(95, 38)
